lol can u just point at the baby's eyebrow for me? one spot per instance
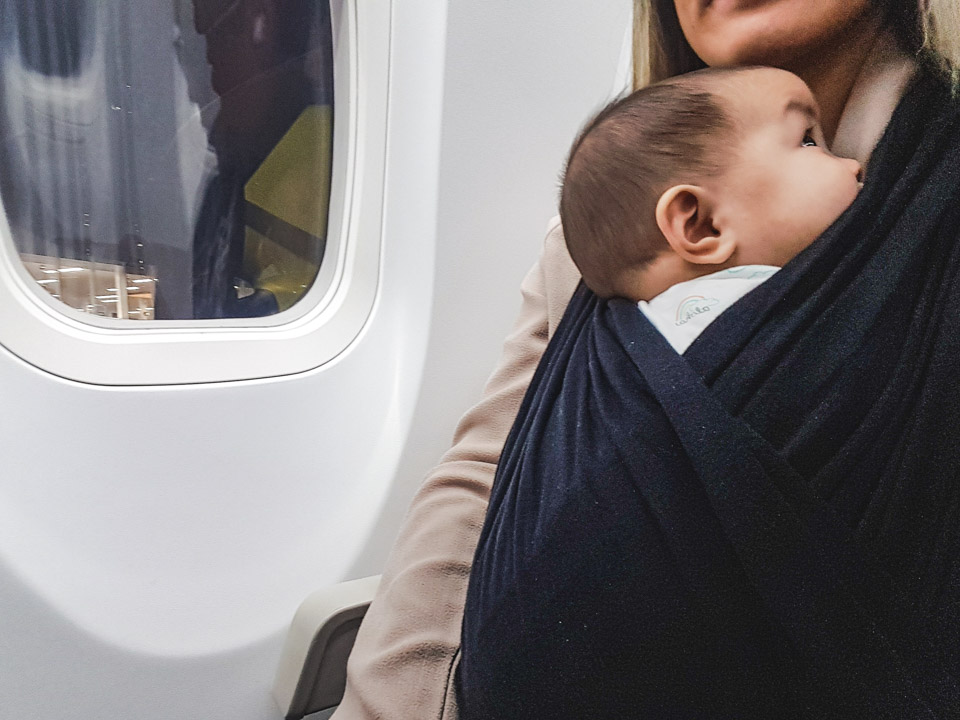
(804, 107)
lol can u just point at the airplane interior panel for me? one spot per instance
(256, 259)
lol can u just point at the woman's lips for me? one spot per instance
(733, 5)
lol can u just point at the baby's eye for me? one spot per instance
(808, 140)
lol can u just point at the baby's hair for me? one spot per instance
(624, 159)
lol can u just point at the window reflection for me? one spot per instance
(176, 155)
(96, 288)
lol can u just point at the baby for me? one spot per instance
(687, 194)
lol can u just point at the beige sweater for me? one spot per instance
(403, 662)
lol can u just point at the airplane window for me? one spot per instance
(167, 160)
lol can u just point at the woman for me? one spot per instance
(858, 58)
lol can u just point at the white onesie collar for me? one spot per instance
(684, 310)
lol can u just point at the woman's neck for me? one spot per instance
(832, 71)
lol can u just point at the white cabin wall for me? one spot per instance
(155, 541)
(521, 79)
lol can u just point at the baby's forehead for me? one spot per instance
(759, 95)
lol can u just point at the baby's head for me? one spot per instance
(704, 171)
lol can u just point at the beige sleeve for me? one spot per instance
(402, 664)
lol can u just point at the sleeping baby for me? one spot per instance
(687, 194)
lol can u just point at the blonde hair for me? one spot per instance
(941, 34)
(660, 50)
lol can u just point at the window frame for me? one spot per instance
(51, 336)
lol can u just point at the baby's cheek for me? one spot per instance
(845, 195)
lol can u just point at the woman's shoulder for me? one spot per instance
(557, 273)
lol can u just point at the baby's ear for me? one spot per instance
(685, 217)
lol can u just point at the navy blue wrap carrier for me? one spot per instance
(767, 526)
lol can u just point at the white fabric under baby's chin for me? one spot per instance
(685, 310)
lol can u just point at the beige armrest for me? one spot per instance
(313, 665)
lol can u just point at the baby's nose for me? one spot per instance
(857, 169)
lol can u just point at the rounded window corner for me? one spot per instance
(285, 255)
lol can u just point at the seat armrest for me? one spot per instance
(313, 665)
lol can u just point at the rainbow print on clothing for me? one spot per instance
(692, 306)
